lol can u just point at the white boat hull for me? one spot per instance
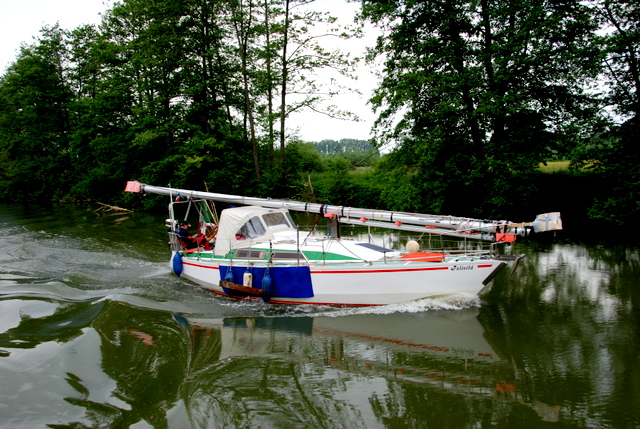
(365, 284)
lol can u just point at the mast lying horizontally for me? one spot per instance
(425, 223)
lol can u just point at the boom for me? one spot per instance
(416, 222)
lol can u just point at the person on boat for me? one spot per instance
(192, 241)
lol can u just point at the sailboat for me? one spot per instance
(254, 250)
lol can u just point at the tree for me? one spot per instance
(34, 121)
(615, 154)
(622, 61)
(245, 32)
(474, 92)
(303, 56)
(164, 91)
(101, 111)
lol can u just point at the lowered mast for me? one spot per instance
(424, 223)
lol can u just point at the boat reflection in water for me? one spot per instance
(363, 369)
(96, 334)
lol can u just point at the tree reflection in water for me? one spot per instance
(558, 342)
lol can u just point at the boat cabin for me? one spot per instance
(241, 227)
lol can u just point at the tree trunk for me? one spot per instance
(283, 96)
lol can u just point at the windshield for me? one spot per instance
(276, 221)
(251, 229)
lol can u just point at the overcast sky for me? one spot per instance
(21, 21)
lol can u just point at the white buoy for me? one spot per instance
(412, 246)
(247, 279)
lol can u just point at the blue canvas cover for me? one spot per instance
(287, 282)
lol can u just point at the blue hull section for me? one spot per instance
(290, 282)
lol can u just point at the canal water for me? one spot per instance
(95, 332)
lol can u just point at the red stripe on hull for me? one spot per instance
(378, 271)
(200, 266)
(399, 270)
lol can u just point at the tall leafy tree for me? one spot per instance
(475, 92)
(165, 91)
(102, 112)
(34, 120)
(616, 154)
(303, 56)
(279, 45)
(621, 19)
(244, 28)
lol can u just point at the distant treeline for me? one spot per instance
(333, 147)
(472, 98)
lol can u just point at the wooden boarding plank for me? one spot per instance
(241, 288)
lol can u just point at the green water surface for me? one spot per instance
(95, 332)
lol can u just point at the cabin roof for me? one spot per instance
(247, 221)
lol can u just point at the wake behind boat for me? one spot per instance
(257, 251)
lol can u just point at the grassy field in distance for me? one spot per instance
(554, 166)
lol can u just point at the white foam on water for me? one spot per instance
(448, 302)
(254, 308)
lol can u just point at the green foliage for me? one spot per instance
(622, 53)
(341, 185)
(169, 91)
(357, 152)
(474, 92)
(34, 120)
(473, 96)
(332, 147)
(304, 157)
(613, 153)
(617, 164)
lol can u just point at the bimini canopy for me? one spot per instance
(244, 226)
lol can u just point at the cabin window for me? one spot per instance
(287, 255)
(250, 254)
(251, 229)
(276, 221)
(375, 247)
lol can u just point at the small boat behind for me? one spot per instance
(256, 251)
